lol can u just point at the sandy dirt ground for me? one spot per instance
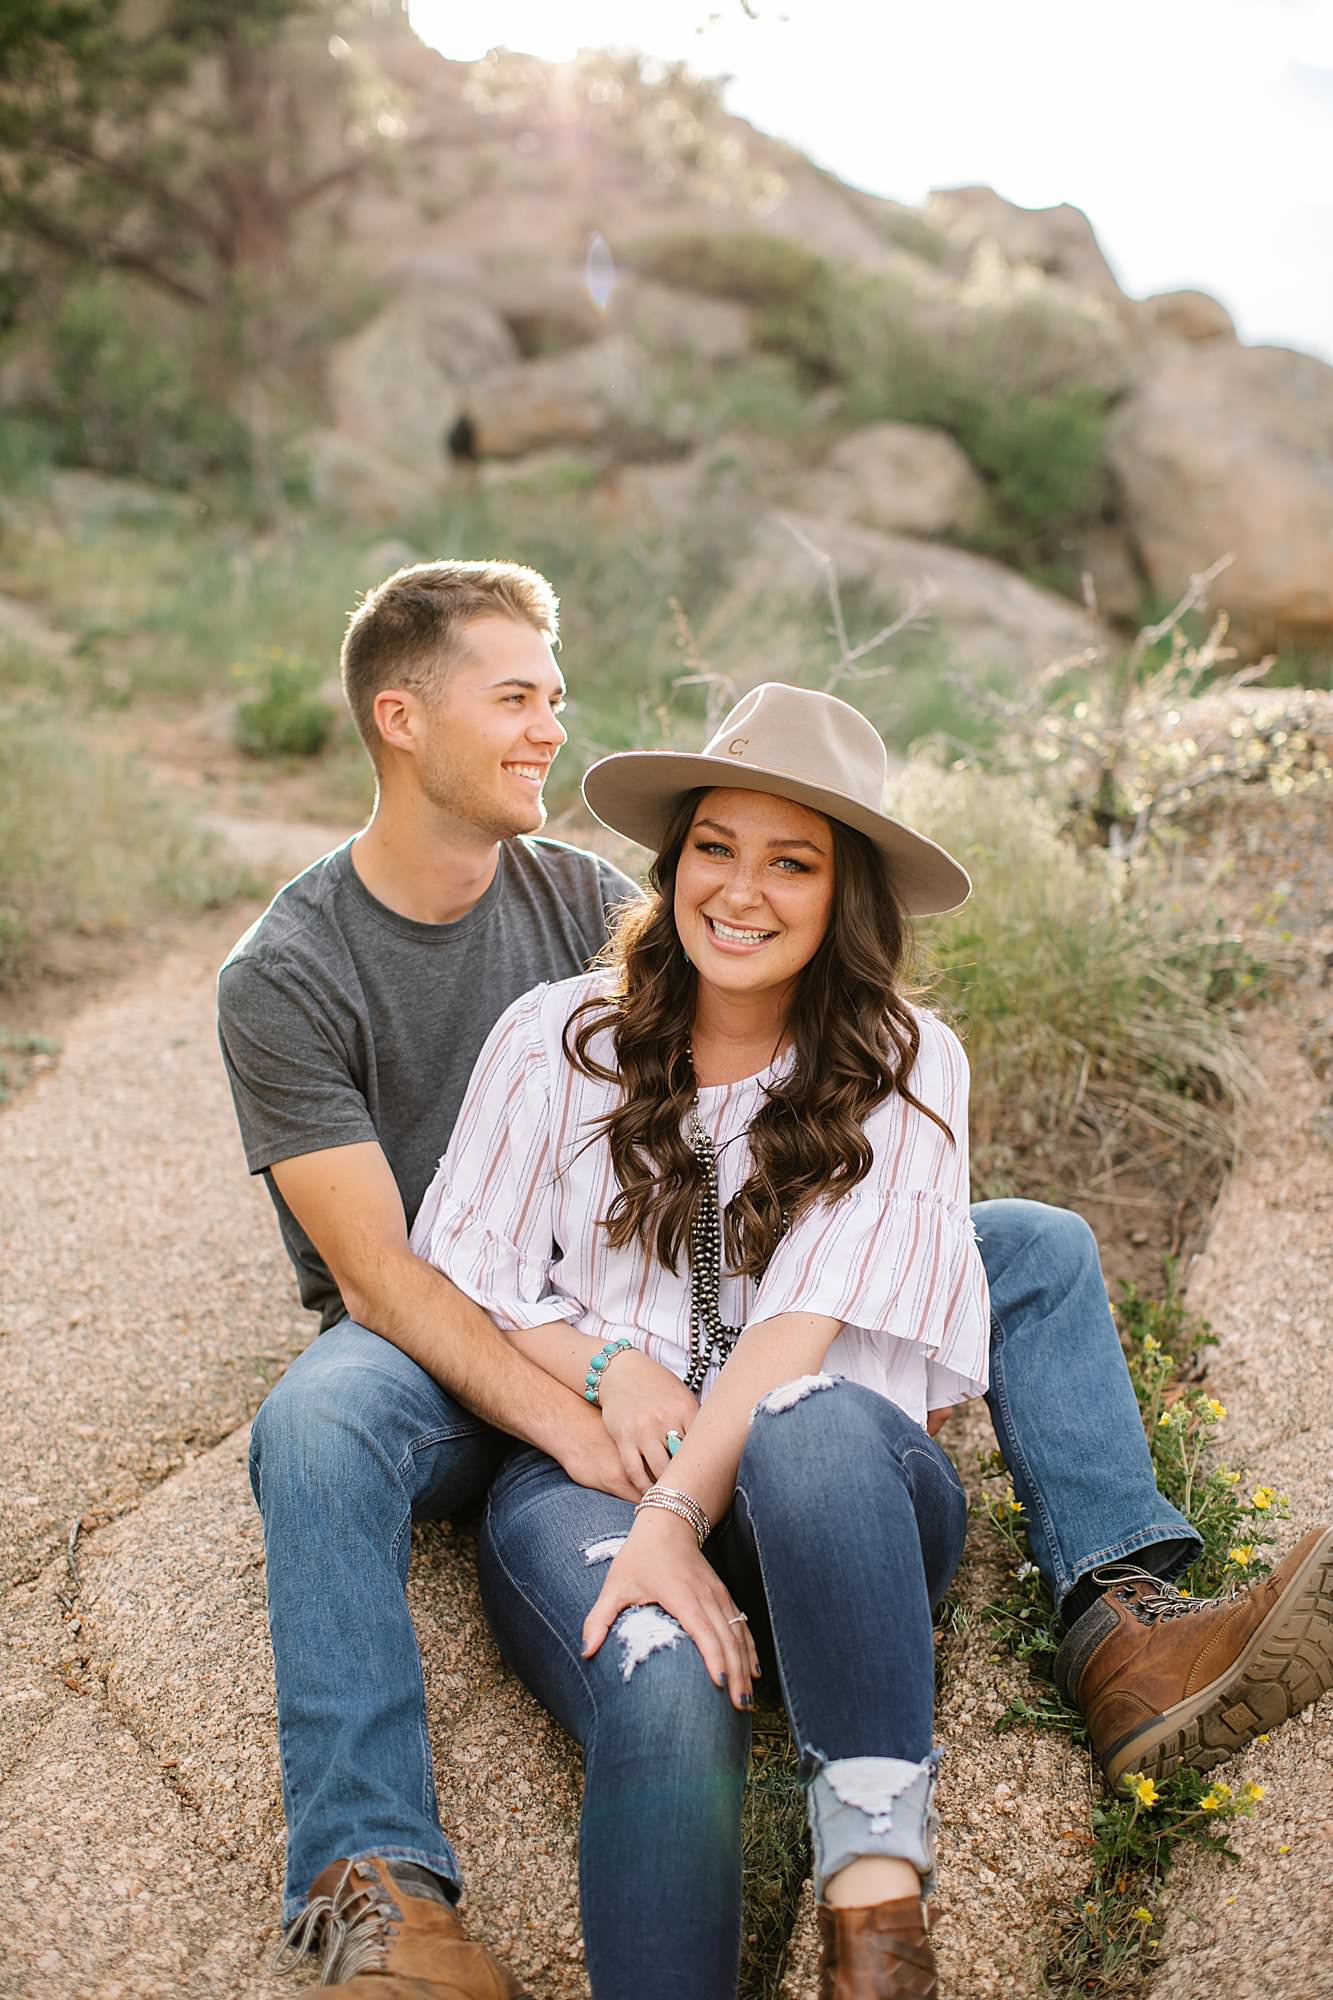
(145, 1307)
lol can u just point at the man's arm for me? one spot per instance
(347, 1201)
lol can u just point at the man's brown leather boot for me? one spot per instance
(1165, 1680)
(881, 1952)
(379, 1943)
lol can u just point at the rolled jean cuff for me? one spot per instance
(861, 1806)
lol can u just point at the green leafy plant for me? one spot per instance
(283, 712)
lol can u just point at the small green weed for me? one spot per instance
(1105, 1938)
(21, 1055)
(283, 712)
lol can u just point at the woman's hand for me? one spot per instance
(661, 1563)
(641, 1401)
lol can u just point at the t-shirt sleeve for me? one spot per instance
(291, 1080)
(486, 1218)
(616, 889)
(896, 1259)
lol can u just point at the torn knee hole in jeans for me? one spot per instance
(642, 1631)
(602, 1551)
(789, 1394)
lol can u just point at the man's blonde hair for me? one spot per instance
(409, 630)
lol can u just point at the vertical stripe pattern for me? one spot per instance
(512, 1216)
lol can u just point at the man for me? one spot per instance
(350, 1016)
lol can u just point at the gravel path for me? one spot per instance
(144, 1308)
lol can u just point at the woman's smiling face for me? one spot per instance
(754, 890)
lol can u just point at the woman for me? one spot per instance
(719, 1187)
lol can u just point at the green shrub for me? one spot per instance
(1080, 1009)
(1042, 454)
(28, 448)
(86, 844)
(284, 712)
(132, 398)
(747, 265)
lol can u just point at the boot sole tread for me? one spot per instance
(1287, 1665)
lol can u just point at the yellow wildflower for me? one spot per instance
(1285, 1847)
(1262, 1498)
(1150, 1346)
(1211, 1801)
(1215, 1408)
(1145, 1791)
(1164, 1421)
(1242, 1555)
(1252, 1792)
(1263, 1738)
(1143, 1916)
(1224, 1792)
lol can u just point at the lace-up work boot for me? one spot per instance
(881, 1952)
(379, 1943)
(1165, 1680)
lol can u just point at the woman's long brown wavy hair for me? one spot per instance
(855, 1041)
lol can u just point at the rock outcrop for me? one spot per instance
(1225, 449)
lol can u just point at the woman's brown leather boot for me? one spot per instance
(878, 1953)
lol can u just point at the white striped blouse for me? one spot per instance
(513, 1213)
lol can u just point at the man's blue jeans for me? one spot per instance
(355, 1442)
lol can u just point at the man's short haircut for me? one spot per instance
(409, 630)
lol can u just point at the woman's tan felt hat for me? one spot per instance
(800, 745)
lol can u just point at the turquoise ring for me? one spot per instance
(674, 1441)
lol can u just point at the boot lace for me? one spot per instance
(1147, 1596)
(354, 1928)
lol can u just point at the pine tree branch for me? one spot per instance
(59, 236)
(197, 219)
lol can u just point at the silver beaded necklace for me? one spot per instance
(710, 1336)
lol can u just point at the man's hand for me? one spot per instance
(347, 1201)
(591, 1459)
(641, 1402)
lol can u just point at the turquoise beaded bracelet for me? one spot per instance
(604, 1355)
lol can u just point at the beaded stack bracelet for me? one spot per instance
(604, 1355)
(683, 1505)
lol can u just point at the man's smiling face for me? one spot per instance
(494, 730)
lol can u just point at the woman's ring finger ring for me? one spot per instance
(739, 1619)
(674, 1441)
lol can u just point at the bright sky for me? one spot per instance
(1196, 134)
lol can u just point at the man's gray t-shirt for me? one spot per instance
(342, 1021)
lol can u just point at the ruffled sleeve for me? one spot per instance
(896, 1260)
(486, 1218)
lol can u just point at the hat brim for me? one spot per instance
(636, 792)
